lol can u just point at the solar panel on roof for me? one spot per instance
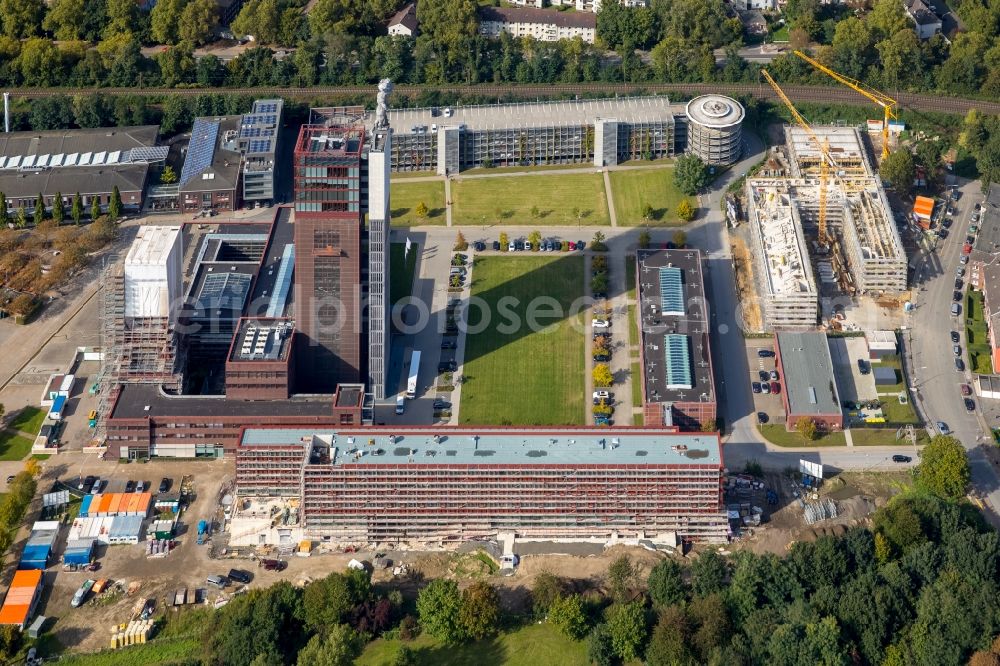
(57, 160)
(114, 157)
(146, 154)
(224, 290)
(28, 162)
(43, 161)
(72, 159)
(201, 148)
(100, 157)
(671, 291)
(678, 359)
(85, 159)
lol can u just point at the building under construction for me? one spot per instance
(378, 485)
(850, 225)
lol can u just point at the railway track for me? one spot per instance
(818, 94)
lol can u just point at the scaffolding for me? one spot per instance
(136, 350)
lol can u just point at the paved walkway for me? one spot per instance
(588, 346)
(608, 192)
(621, 359)
(447, 201)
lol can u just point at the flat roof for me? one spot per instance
(988, 237)
(680, 272)
(270, 286)
(152, 245)
(715, 111)
(988, 383)
(503, 446)
(843, 143)
(881, 339)
(332, 140)
(134, 399)
(67, 142)
(88, 181)
(542, 16)
(262, 340)
(807, 370)
(775, 219)
(560, 113)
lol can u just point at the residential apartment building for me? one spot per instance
(926, 22)
(545, 25)
(593, 6)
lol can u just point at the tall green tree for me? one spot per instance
(944, 468)
(621, 578)
(4, 214)
(21, 18)
(340, 645)
(479, 616)
(439, 606)
(39, 213)
(58, 209)
(197, 21)
(628, 630)
(898, 170)
(568, 615)
(21, 218)
(115, 205)
(450, 28)
(95, 208)
(666, 584)
(708, 573)
(77, 211)
(690, 174)
(165, 18)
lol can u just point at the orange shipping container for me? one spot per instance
(147, 499)
(104, 505)
(923, 207)
(133, 503)
(116, 503)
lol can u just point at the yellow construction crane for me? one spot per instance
(887, 103)
(826, 160)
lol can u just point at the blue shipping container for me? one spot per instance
(85, 506)
(79, 552)
(55, 413)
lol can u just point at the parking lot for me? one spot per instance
(852, 384)
(769, 404)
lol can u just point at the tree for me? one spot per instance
(708, 574)
(39, 212)
(567, 614)
(887, 18)
(535, 212)
(439, 606)
(621, 577)
(504, 241)
(807, 428)
(547, 588)
(66, 19)
(666, 584)
(671, 639)
(690, 174)
(4, 215)
(479, 616)
(329, 601)
(598, 245)
(575, 213)
(21, 18)
(898, 170)
(599, 284)
(944, 468)
(168, 175)
(599, 648)
(602, 375)
(115, 205)
(679, 238)
(340, 646)
(628, 630)
(421, 210)
(54, 112)
(77, 210)
(685, 211)
(461, 245)
(21, 218)
(644, 239)
(647, 212)
(535, 238)
(197, 21)
(58, 209)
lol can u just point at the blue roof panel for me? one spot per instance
(201, 149)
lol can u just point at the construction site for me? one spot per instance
(821, 226)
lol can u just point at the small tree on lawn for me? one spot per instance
(421, 210)
(499, 213)
(21, 218)
(115, 205)
(535, 238)
(567, 614)
(39, 209)
(461, 244)
(599, 263)
(690, 174)
(575, 213)
(76, 212)
(504, 241)
(644, 239)
(58, 209)
(807, 428)
(602, 376)
(597, 245)
(647, 212)
(168, 175)
(679, 238)
(685, 211)
(535, 212)
(480, 612)
(95, 208)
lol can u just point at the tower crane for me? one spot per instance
(826, 160)
(887, 103)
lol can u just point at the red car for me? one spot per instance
(775, 387)
(966, 389)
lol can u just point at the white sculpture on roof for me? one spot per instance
(382, 104)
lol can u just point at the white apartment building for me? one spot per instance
(542, 24)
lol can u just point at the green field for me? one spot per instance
(28, 420)
(509, 200)
(404, 198)
(776, 434)
(532, 645)
(13, 446)
(634, 189)
(518, 375)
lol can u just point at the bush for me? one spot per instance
(568, 616)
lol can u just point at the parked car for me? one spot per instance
(448, 344)
(762, 417)
(956, 309)
(864, 367)
(165, 484)
(130, 486)
(480, 246)
(966, 389)
(946, 222)
(764, 375)
(87, 484)
(602, 420)
(959, 284)
(140, 486)
(273, 565)
(964, 259)
(775, 387)
(755, 386)
(959, 365)
(901, 459)
(602, 358)
(447, 366)
(527, 245)
(774, 375)
(580, 245)
(955, 337)
(942, 233)
(603, 395)
(240, 576)
(511, 246)
(970, 406)
(600, 323)
(765, 353)
(943, 427)
(957, 350)
(496, 246)
(765, 387)
(960, 272)
(442, 404)
(956, 296)
(217, 580)
(10, 477)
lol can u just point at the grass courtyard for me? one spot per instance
(636, 188)
(405, 196)
(977, 336)
(28, 420)
(509, 200)
(513, 374)
(776, 434)
(14, 446)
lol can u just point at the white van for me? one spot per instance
(400, 404)
(218, 581)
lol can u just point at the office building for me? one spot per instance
(805, 365)
(433, 486)
(258, 142)
(676, 360)
(379, 226)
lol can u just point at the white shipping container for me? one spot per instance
(66, 387)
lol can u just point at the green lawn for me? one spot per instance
(630, 275)
(776, 434)
(979, 361)
(513, 375)
(510, 200)
(781, 34)
(13, 446)
(636, 385)
(158, 651)
(634, 189)
(515, 169)
(28, 420)
(404, 198)
(532, 645)
(884, 437)
(897, 413)
(633, 326)
(401, 270)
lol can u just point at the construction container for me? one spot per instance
(66, 386)
(38, 549)
(58, 405)
(85, 506)
(79, 551)
(22, 597)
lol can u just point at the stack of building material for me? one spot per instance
(158, 547)
(133, 633)
(22, 597)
